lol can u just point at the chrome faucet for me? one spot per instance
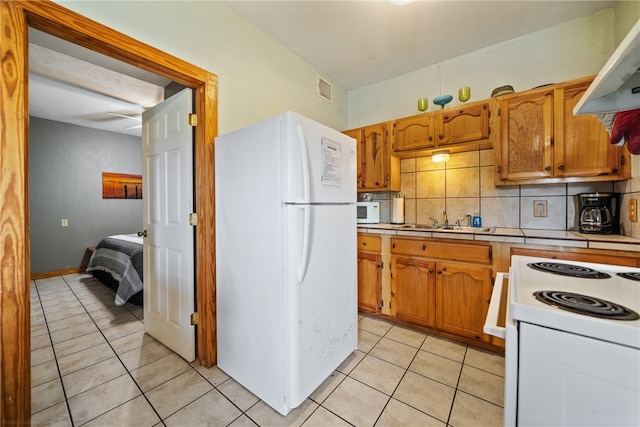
(446, 220)
(435, 221)
(467, 217)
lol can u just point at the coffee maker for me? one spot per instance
(599, 213)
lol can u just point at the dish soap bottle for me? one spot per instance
(476, 220)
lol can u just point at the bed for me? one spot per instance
(117, 262)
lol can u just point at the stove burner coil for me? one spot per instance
(568, 270)
(584, 304)
(631, 275)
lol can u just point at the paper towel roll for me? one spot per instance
(397, 214)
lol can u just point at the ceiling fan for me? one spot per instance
(137, 118)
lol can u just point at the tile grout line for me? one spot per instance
(55, 357)
(116, 355)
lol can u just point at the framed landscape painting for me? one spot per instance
(121, 186)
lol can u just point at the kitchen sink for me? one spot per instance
(459, 228)
(420, 227)
(472, 229)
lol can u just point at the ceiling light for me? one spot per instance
(401, 2)
(440, 156)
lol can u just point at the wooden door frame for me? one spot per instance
(16, 16)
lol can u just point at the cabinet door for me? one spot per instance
(412, 290)
(357, 135)
(581, 145)
(375, 156)
(526, 136)
(415, 132)
(463, 124)
(462, 299)
(369, 280)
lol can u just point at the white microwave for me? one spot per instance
(368, 212)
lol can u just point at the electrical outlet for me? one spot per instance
(64, 223)
(633, 210)
(539, 208)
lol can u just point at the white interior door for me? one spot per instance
(167, 153)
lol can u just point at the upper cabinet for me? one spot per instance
(444, 128)
(378, 169)
(541, 141)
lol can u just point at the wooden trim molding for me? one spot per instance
(16, 16)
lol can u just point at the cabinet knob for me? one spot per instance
(424, 247)
(364, 243)
(430, 138)
(431, 270)
(561, 167)
(441, 136)
(547, 168)
(439, 271)
(499, 169)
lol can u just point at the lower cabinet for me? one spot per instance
(446, 286)
(369, 273)
(463, 293)
(413, 290)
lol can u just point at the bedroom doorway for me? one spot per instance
(16, 17)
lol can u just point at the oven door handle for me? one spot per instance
(491, 323)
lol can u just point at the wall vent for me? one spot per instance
(324, 89)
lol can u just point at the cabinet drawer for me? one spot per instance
(409, 247)
(480, 254)
(461, 252)
(369, 243)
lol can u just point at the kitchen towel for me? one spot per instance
(397, 213)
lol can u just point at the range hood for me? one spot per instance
(617, 85)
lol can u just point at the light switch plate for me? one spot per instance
(64, 222)
(633, 210)
(539, 208)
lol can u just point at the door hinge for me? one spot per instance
(193, 119)
(195, 318)
(193, 219)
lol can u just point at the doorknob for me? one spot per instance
(142, 233)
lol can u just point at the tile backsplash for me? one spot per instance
(464, 186)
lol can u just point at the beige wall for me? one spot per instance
(257, 76)
(577, 48)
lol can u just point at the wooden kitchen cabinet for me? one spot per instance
(414, 133)
(463, 293)
(443, 128)
(541, 141)
(378, 169)
(440, 284)
(369, 273)
(413, 290)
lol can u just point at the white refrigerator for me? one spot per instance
(286, 262)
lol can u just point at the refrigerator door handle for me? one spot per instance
(304, 256)
(304, 157)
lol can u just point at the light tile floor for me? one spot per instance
(92, 364)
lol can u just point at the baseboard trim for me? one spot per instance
(46, 274)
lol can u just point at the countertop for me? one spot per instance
(517, 235)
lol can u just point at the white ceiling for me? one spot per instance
(357, 43)
(352, 43)
(70, 84)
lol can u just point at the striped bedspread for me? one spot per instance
(121, 256)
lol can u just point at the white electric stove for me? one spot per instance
(572, 343)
